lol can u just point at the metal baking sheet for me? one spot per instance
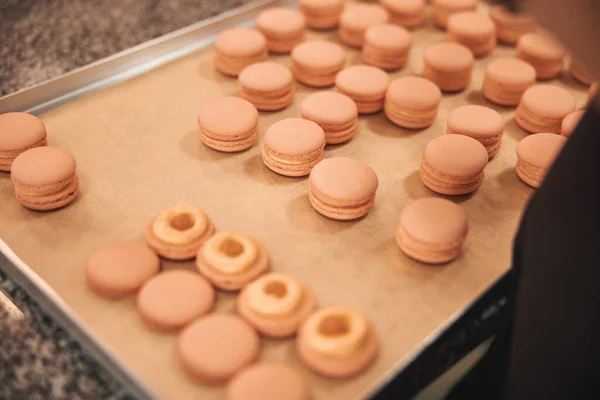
(138, 151)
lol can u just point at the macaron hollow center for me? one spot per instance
(276, 289)
(231, 248)
(334, 325)
(182, 221)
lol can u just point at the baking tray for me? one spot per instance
(138, 151)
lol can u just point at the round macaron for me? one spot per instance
(506, 79)
(267, 85)
(407, 13)
(215, 347)
(473, 30)
(19, 132)
(448, 65)
(171, 300)
(276, 304)
(337, 342)
(237, 48)
(267, 381)
(432, 230)
(543, 52)
(317, 62)
(342, 188)
(481, 123)
(570, 122)
(364, 84)
(386, 46)
(443, 9)
(293, 146)
(454, 164)
(509, 26)
(536, 154)
(282, 27)
(357, 18)
(118, 270)
(45, 178)
(228, 124)
(580, 73)
(322, 14)
(335, 113)
(412, 102)
(543, 107)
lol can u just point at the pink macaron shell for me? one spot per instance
(388, 37)
(475, 31)
(479, 122)
(456, 155)
(240, 42)
(543, 108)
(443, 9)
(407, 13)
(344, 179)
(319, 56)
(361, 16)
(43, 170)
(506, 79)
(20, 131)
(328, 108)
(448, 56)
(280, 22)
(216, 117)
(294, 136)
(543, 52)
(267, 381)
(266, 77)
(570, 122)
(540, 149)
(362, 81)
(510, 26)
(414, 93)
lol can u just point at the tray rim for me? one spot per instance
(112, 70)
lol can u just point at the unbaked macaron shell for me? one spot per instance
(228, 124)
(293, 146)
(570, 122)
(506, 79)
(407, 13)
(364, 84)
(267, 85)
(536, 154)
(118, 270)
(481, 123)
(45, 178)
(267, 381)
(237, 48)
(342, 188)
(473, 30)
(386, 46)
(543, 107)
(509, 26)
(215, 347)
(19, 132)
(432, 230)
(317, 62)
(454, 164)
(282, 27)
(335, 113)
(448, 65)
(357, 18)
(412, 102)
(543, 52)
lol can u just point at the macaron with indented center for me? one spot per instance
(386, 46)
(509, 26)
(481, 123)
(543, 107)
(317, 62)
(432, 230)
(473, 30)
(293, 146)
(357, 18)
(268, 86)
(267, 381)
(536, 154)
(237, 48)
(45, 178)
(448, 65)
(443, 9)
(230, 260)
(412, 102)
(228, 124)
(322, 14)
(407, 13)
(118, 270)
(454, 164)
(177, 232)
(570, 122)
(364, 84)
(335, 113)
(337, 342)
(342, 188)
(282, 27)
(171, 300)
(543, 52)
(506, 79)
(276, 304)
(580, 73)
(19, 132)
(215, 347)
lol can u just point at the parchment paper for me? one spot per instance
(137, 151)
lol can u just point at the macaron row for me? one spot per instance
(44, 177)
(337, 342)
